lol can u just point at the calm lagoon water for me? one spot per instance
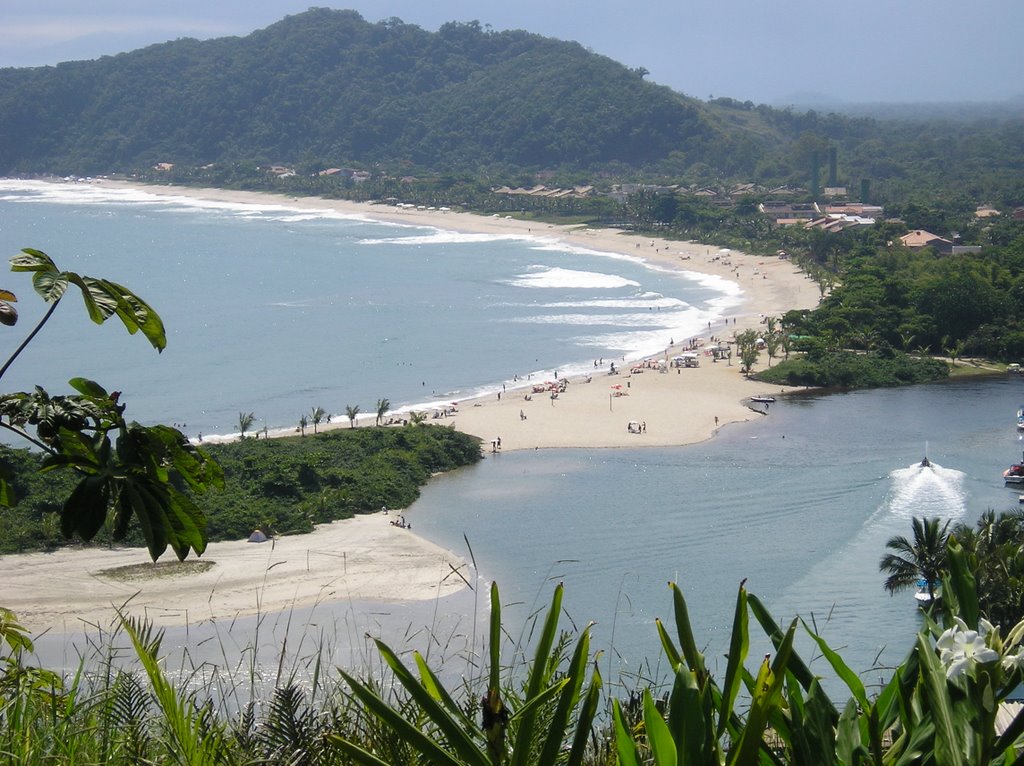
(276, 311)
(800, 504)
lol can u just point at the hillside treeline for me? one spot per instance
(326, 89)
(963, 305)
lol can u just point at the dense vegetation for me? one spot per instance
(889, 297)
(324, 88)
(992, 551)
(459, 110)
(847, 369)
(940, 705)
(281, 486)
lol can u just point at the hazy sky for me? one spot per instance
(766, 52)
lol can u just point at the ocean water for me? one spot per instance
(275, 311)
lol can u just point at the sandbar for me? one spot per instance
(76, 589)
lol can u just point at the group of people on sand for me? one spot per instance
(399, 521)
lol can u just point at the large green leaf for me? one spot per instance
(663, 747)
(961, 582)
(738, 644)
(691, 720)
(557, 723)
(102, 298)
(537, 680)
(585, 720)
(684, 631)
(766, 695)
(852, 681)
(85, 510)
(948, 745)
(456, 736)
(408, 731)
(771, 628)
(625, 746)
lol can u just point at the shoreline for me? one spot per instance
(71, 589)
(365, 558)
(682, 407)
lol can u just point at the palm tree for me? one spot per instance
(922, 559)
(383, 405)
(317, 416)
(955, 350)
(303, 422)
(245, 421)
(350, 413)
(417, 418)
(994, 548)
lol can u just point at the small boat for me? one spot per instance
(924, 593)
(763, 399)
(1014, 474)
(926, 463)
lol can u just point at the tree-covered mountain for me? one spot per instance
(328, 87)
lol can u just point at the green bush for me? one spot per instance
(284, 486)
(846, 369)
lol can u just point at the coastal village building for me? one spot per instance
(854, 208)
(544, 191)
(788, 213)
(919, 238)
(834, 222)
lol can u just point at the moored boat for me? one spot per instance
(1014, 475)
(927, 592)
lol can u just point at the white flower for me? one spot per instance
(959, 647)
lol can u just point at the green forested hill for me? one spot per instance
(328, 87)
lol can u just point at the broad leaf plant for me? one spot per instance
(126, 470)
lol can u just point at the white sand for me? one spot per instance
(363, 558)
(367, 558)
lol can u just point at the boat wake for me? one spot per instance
(926, 491)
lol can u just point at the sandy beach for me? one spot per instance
(684, 406)
(364, 558)
(367, 558)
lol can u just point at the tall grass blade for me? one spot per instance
(538, 678)
(663, 747)
(402, 728)
(738, 645)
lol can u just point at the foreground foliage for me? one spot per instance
(939, 705)
(119, 467)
